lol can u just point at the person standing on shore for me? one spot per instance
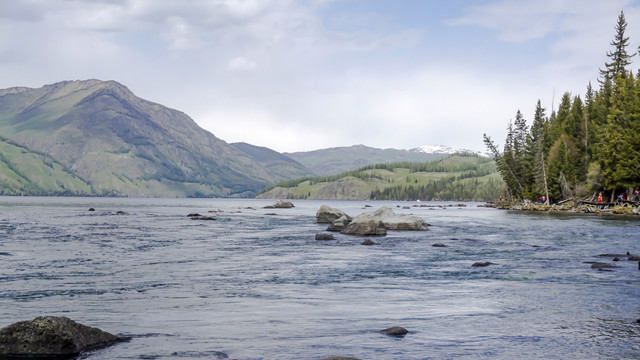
(599, 197)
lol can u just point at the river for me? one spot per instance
(255, 284)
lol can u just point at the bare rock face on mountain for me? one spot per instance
(51, 337)
(373, 223)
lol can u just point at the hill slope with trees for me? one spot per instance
(456, 178)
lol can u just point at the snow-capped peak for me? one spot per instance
(442, 149)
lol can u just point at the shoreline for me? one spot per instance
(574, 207)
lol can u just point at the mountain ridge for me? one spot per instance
(124, 145)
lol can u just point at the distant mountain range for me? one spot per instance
(96, 137)
(338, 159)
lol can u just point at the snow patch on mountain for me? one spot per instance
(447, 150)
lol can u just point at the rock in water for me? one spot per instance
(381, 220)
(280, 204)
(327, 214)
(482, 263)
(396, 331)
(51, 337)
(339, 224)
(324, 236)
(365, 227)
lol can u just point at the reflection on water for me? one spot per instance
(254, 286)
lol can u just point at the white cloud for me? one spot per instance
(241, 64)
(319, 77)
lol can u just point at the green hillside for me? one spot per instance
(458, 177)
(23, 172)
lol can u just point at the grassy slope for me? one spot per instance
(23, 172)
(349, 187)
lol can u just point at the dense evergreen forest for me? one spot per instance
(588, 145)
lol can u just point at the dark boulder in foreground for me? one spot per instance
(51, 337)
(368, 242)
(396, 331)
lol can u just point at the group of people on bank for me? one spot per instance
(624, 196)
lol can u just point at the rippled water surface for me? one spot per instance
(255, 284)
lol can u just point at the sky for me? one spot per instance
(312, 74)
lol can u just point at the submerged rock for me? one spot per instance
(439, 245)
(482, 263)
(368, 242)
(196, 216)
(324, 236)
(327, 214)
(601, 265)
(340, 358)
(396, 331)
(51, 337)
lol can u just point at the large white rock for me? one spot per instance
(370, 223)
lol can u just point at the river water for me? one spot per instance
(255, 284)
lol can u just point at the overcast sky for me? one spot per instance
(305, 75)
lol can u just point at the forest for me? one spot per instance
(588, 146)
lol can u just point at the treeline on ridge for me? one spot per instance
(587, 146)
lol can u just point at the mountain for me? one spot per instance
(335, 160)
(446, 150)
(282, 166)
(101, 139)
(455, 178)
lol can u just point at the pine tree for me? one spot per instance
(534, 154)
(613, 140)
(620, 58)
(574, 127)
(558, 121)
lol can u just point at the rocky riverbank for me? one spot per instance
(626, 208)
